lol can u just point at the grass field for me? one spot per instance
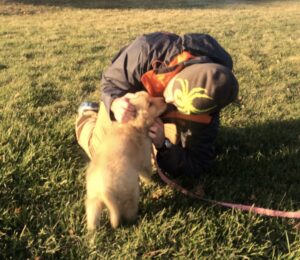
(51, 59)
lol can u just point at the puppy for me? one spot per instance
(124, 156)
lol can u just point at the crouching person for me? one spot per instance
(194, 75)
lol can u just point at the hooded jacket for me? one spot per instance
(195, 151)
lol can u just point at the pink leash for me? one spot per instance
(256, 210)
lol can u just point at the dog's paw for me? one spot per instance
(146, 177)
(145, 181)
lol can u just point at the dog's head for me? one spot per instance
(147, 108)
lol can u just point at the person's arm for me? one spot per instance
(123, 75)
(196, 156)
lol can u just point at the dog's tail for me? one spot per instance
(113, 206)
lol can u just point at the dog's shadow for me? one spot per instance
(255, 165)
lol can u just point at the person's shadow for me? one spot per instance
(258, 165)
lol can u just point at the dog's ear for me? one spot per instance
(140, 100)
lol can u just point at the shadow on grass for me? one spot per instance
(128, 4)
(255, 165)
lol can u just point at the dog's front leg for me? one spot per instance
(146, 169)
(146, 173)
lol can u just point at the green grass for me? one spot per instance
(51, 59)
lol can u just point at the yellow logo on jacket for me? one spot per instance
(184, 99)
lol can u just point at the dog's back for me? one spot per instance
(124, 154)
(113, 177)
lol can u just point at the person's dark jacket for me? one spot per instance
(195, 152)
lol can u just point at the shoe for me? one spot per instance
(88, 106)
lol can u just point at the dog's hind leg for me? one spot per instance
(114, 209)
(130, 213)
(93, 208)
(130, 207)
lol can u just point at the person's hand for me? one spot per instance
(122, 109)
(157, 133)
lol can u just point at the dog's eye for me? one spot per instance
(150, 104)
